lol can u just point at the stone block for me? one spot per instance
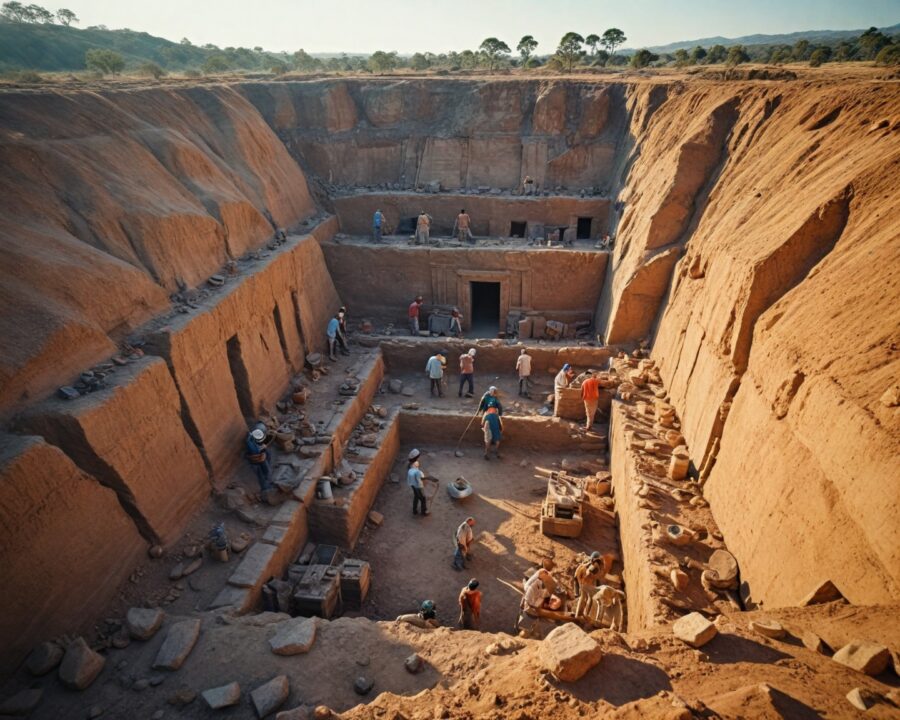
(274, 534)
(142, 623)
(269, 697)
(294, 637)
(866, 657)
(229, 597)
(694, 629)
(568, 652)
(249, 573)
(80, 665)
(222, 697)
(813, 642)
(768, 628)
(287, 512)
(180, 640)
(376, 518)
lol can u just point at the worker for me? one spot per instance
(462, 540)
(456, 323)
(563, 378)
(467, 372)
(423, 228)
(342, 331)
(493, 432)
(377, 222)
(425, 618)
(470, 605)
(462, 227)
(414, 307)
(490, 399)
(528, 185)
(434, 368)
(588, 575)
(334, 326)
(415, 478)
(590, 394)
(536, 594)
(259, 458)
(605, 243)
(523, 367)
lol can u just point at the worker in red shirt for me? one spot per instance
(590, 394)
(470, 605)
(414, 315)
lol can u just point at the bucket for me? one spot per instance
(325, 490)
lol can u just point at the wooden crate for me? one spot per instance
(562, 527)
(355, 579)
(318, 591)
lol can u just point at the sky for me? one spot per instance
(407, 26)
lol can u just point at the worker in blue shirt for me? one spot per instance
(332, 331)
(434, 368)
(415, 478)
(377, 222)
(259, 458)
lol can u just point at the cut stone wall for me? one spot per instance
(67, 545)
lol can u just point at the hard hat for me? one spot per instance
(492, 389)
(428, 605)
(258, 435)
(472, 352)
(413, 454)
(595, 555)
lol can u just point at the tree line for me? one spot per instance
(17, 12)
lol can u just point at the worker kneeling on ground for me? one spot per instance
(537, 592)
(588, 575)
(425, 618)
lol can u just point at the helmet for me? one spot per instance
(472, 352)
(473, 583)
(258, 434)
(492, 389)
(428, 605)
(595, 555)
(413, 454)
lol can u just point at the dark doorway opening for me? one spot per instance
(407, 225)
(276, 316)
(517, 229)
(240, 377)
(583, 231)
(485, 308)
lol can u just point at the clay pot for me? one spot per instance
(673, 437)
(678, 465)
(678, 535)
(301, 396)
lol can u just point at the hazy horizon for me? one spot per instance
(407, 26)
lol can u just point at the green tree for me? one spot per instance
(494, 50)
(736, 55)
(382, 62)
(801, 50)
(278, 68)
(40, 14)
(780, 56)
(151, 69)
(843, 51)
(819, 55)
(468, 60)
(185, 41)
(105, 62)
(698, 54)
(717, 54)
(642, 58)
(419, 62)
(592, 41)
(871, 43)
(889, 55)
(305, 62)
(215, 64)
(569, 49)
(67, 17)
(14, 11)
(682, 58)
(526, 47)
(612, 39)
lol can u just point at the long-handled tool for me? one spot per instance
(466, 430)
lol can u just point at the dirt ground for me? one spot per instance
(411, 556)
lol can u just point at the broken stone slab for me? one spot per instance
(229, 597)
(768, 628)
(294, 637)
(80, 665)
(568, 652)
(193, 567)
(269, 697)
(813, 642)
(22, 703)
(376, 518)
(865, 657)
(826, 592)
(44, 658)
(694, 629)
(142, 623)
(222, 697)
(253, 565)
(863, 699)
(180, 640)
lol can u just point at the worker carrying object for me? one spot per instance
(259, 458)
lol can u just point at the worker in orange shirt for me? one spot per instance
(590, 394)
(470, 605)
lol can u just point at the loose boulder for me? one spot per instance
(294, 637)
(694, 629)
(768, 628)
(222, 697)
(179, 642)
(80, 665)
(568, 652)
(866, 657)
(269, 697)
(142, 623)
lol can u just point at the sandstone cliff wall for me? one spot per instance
(109, 202)
(756, 249)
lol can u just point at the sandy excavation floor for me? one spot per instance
(411, 556)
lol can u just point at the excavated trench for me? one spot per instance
(161, 296)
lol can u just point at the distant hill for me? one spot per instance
(814, 36)
(59, 48)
